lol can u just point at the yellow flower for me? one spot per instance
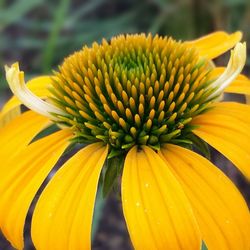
(148, 100)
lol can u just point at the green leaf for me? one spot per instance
(45, 132)
(183, 141)
(114, 168)
(99, 205)
(204, 247)
(114, 153)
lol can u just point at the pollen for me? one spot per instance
(132, 90)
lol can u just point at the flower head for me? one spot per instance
(148, 100)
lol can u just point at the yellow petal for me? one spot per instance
(217, 43)
(9, 116)
(156, 210)
(233, 109)
(17, 134)
(38, 85)
(22, 177)
(63, 215)
(241, 85)
(227, 133)
(221, 212)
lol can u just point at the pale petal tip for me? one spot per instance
(6, 68)
(233, 69)
(15, 79)
(240, 52)
(12, 68)
(238, 57)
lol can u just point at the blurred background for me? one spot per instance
(40, 33)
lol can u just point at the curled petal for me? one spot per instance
(233, 69)
(15, 78)
(11, 109)
(241, 84)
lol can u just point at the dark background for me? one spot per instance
(40, 33)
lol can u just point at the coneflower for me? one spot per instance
(138, 105)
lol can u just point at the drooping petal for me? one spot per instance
(217, 43)
(22, 177)
(221, 212)
(227, 133)
(63, 215)
(17, 134)
(156, 210)
(37, 85)
(241, 84)
(233, 69)
(15, 79)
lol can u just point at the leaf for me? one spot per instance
(45, 132)
(99, 205)
(114, 168)
(114, 153)
(204, 247)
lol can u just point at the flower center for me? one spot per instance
(134, 90)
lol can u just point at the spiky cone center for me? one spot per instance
(133, 90)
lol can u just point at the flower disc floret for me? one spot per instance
(133, 90)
